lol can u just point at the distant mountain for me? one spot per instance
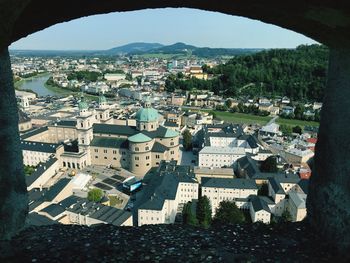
(137, 47)
(141, 48)
(185, 49)
(177, 48)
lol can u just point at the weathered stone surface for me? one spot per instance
(168, 243)
(328, 201)
(13, 190)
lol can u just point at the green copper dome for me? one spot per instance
(170, 133)
(147, 115)
(102, 99)
(139, 138)
(83, 105)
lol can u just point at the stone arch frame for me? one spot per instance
(323, 20)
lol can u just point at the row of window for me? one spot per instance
(106, 151)
(73, 165)
(106, 158)
(151, 218)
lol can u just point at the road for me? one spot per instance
(272, 120)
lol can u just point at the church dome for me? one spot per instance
(102, 99)
(147, 113)
(82, 105)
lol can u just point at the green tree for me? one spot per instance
(28, 170)
(203, 211)
(128, 76)
(269, 165)
(286, 130)
(180, 75)
(297, 129)
(286, 216)
(95, 195)
(228, 213)
(299, 111)
(187, 215)
(187, 140)
(228, 103)
(139, 80)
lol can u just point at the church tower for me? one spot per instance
(84, 128)
(103, 111)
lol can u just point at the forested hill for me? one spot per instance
(297, 73)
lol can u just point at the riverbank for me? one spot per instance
(38, 85)
(20, 82)
(67, 92)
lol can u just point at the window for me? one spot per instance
(157, 156)
(147, 148)
(105, 157)
(96, 156)
(114, 158)
(96, 150)
(81, 124)
(137, 149)
(147, 157)
(64, 164)
(144, 126)
(114, 152)
(101, 116)
(137, 165)
(124, 159)
(137, 158)
(171, 143)
(82, 141)
(152, 126)
(147, 164)
(78, 166)
(172, 152)
(104, 151)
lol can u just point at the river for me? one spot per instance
(37, 84)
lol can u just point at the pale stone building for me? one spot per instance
(175, 186)
(220, 189)
(137, 149)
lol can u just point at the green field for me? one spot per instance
(241, 117)
(293, 123)
(262, 120)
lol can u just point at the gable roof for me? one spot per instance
(276, 186)
(39, 146)
(298, 199)
(159, 148)
(34, 132)
(109, 142)
(39, 170)
(236, 183)
(114, 129)
(259, 204)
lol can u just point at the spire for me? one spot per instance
(147, 102)
(102, 99)
(82, 104)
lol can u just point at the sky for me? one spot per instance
(165, 26)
